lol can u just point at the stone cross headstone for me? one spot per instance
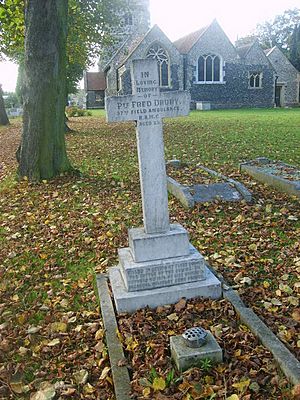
(147, 105)
(160, 266)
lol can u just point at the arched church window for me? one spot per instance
(209, 68)
(255, 80)
(161, 56)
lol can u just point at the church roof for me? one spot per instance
(269, 51)
(94, 81)
(243, 50)
(132, 46)
(185, 43)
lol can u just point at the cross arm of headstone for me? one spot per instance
(138, 108)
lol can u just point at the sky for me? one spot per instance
(178, 18)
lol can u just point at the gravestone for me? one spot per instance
(284, 177)
(160, 265)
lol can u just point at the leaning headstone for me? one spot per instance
(160, 265)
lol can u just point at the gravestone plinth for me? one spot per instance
(145, 246)
(160, 266)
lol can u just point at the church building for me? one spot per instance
(216, 73)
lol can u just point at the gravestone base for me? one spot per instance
(187, 357)
(126, 301)
(155, 246)
(158, 273)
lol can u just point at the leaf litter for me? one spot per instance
(53, 236)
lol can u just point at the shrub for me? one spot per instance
(73, 111)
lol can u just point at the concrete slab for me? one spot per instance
(155, 246)
(215, 191)
(131, 301)
(284, 177)
(182, 193)
(186, 357)
(164, 272)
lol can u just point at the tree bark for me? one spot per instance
(42, 152)
(3, 116)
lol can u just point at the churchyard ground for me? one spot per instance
(53, 236)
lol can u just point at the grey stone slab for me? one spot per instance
(245, 193)
(268, 172)
(144, 247)
(163, 272)
(182, 193)
(233, 297)
(186, 357)
(120, 374)
(131, 301)
(221, 191)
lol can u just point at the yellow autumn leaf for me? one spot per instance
(88, 389)
(173, 317)
(159, 384)
(99, 334)
(242, 385)
(253, 247)
(59, 327)
(146, 392)
(104, 373)
(53, 343)
(233, 397)
(131, 343)
(119, 336)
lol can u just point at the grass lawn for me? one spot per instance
(53, 236)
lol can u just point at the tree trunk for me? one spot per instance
(3, 116)
(42, 152)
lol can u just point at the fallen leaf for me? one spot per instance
(46, 392)
(173, 317)
(122, 363)
(104, 373)
(34, 329)
(159, 384)
(53, 342)
(233, 397)
(242, 385)
(59, 327)
(180, 305)
(146, 392)
(81, 377)
(296, 314)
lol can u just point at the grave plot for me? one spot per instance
(198, 184)
(248, 370)
(284, 177)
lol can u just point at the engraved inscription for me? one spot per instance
(147, 104)
(165, 274)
